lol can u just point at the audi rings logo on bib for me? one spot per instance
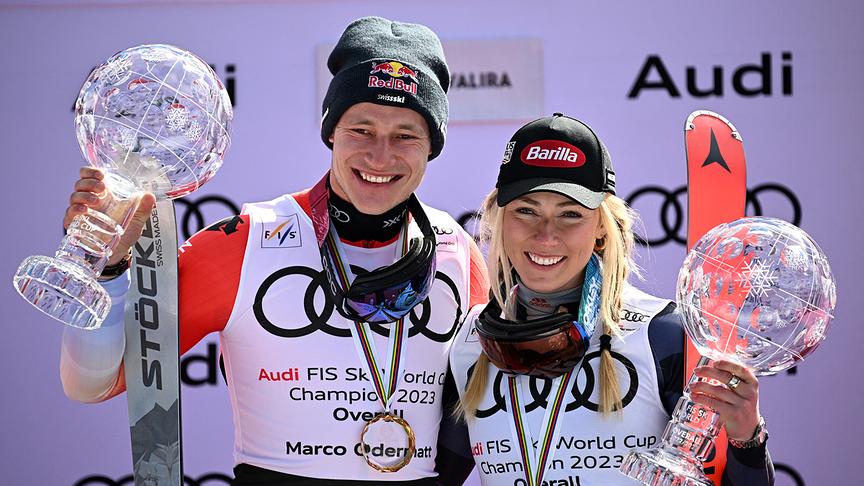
(581, 389)
(319, 309)
(634, 316)
(552, 153)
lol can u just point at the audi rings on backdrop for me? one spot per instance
(191, 209)
(470, 222)
(209, 479)
(673, 214)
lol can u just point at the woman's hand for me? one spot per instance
(735, 398)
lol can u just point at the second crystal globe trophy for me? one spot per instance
(758, 292)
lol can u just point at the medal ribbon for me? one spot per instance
(385, 381)
(536, 463)
(536, 460)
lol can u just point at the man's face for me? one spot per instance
(379, 156)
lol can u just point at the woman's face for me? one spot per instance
(549, 239)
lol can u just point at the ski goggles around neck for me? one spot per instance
(386, 294)
(546, 347)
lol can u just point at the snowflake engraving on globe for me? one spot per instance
(156, 118)
(758, 291)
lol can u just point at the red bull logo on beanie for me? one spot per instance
(396, 71)
(553, 153)
(406, 71)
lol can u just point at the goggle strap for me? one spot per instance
(318, 198)
(337, 256)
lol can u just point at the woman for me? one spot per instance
(583, 366)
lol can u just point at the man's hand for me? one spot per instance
(90, 192)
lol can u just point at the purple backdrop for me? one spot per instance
(801, 138)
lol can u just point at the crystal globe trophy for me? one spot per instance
(155, 118)
(758, 292)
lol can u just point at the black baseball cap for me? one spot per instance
(558, 154)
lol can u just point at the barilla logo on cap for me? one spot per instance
(395, 70)
(552, 153)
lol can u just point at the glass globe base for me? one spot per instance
(62, 290)
(656, 467)
(685, 444)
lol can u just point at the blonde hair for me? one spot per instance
(616, 257)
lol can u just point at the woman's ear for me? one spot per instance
(600, 233)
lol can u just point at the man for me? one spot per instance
(296, 327)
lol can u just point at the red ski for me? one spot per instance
(717, 193)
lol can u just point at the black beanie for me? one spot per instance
(388, 63)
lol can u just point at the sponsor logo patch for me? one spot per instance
(508, 153)
(284, 232)
(445, 240)
(553, 153)
(394, 99)
(399, 77)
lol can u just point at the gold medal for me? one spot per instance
(387, 442)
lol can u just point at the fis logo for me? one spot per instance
(284, 232)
